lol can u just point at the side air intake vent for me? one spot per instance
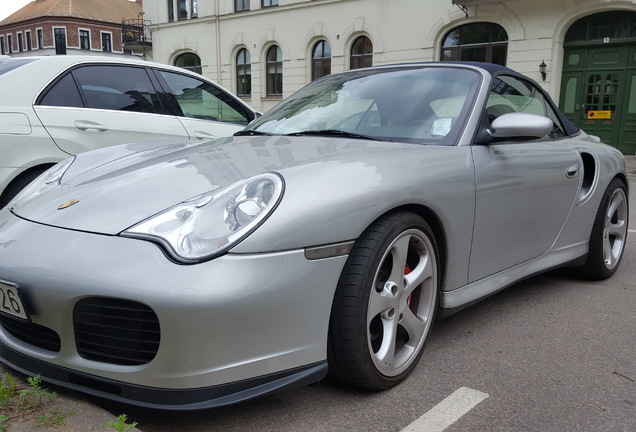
(589, 177)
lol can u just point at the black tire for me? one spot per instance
(609, 234)
(20, 183)
(385, 303)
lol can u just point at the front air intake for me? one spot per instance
(115, 331)
(33, 334)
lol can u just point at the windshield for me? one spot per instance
(7, 65)
(421, 104)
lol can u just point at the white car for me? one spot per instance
(53, 107)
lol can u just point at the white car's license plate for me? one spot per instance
(10, 301)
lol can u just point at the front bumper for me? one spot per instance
(230, 329)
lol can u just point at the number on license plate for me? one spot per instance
(10, 302)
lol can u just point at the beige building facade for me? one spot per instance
(581, 51)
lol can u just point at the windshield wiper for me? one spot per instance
(250, 132)
(333, 132)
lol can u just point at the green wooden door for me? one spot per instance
(627, 131)
(598, 93)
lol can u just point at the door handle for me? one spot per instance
(89, 125)
(572, 171)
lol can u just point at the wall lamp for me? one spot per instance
(542, 67)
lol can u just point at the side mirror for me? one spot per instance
(519, 126)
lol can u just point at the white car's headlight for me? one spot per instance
(48, 180)
(209, 225)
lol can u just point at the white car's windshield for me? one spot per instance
(7, 64)
(424, 105)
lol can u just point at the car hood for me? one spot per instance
(117, 187)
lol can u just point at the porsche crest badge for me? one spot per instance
(68, 203)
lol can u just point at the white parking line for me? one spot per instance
(447, 411)
(634, 231)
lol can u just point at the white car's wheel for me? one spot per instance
(20, 183)
(385, 302)
(609, 233)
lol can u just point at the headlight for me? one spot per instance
(209, 225)
(48, 180)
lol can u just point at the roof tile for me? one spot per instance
(99, 10)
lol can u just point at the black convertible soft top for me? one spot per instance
(494, 69)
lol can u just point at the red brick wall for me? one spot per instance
(72, 33)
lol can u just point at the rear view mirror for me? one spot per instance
(520, 126)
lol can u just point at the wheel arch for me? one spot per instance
(25, 174)
(436, 225)
(623, 178)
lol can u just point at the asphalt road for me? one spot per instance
(551, 353)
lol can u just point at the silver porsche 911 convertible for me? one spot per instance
(326, 237)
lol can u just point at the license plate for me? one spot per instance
(10, 301)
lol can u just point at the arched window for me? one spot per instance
(274, 64)
(243, 73)
(321, 60)
(361, 53)
(612, 25)
(189, 61)
(483, 42)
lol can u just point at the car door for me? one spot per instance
(205, 110)
(95, 106)
(525, 190)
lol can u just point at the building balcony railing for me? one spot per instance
(136, 35)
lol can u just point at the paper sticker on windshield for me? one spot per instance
(442, 126)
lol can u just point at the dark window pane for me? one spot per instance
(118, 88)
(613, 24)
(183, 9)
(452, 39)
(60, 41)
(477, 33)
(170, 11)
(474, 54)
(361, 53)
(499, 54)
(63, 93)
(321, 60)
(189, 61)
(84, 40)
(106, 42)
(243, 73)
(450, 55)
(240, 5)
(499, 34)
(484, 42)
(274, 72)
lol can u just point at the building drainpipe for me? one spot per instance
(218, 42)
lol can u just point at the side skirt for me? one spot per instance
(461, 298)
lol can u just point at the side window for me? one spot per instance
(118, 88)
(63, 93)
(201, 100)
(510, 94)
